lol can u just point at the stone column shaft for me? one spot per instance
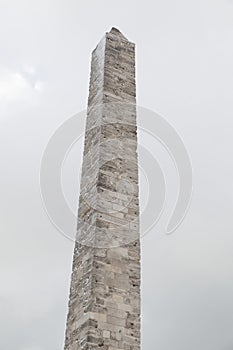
(104, 304)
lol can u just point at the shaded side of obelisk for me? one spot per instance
(104, 303)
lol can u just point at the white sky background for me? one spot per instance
(185, 73)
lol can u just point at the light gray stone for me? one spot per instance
(104, 303)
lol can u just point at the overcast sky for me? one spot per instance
(185, 73)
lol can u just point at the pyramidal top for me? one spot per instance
(117, 32)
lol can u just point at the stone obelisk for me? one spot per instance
(104, 304)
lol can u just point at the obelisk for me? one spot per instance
(104, 303)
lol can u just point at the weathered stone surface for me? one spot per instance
(104, 305)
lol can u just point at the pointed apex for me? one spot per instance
(117, 32)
